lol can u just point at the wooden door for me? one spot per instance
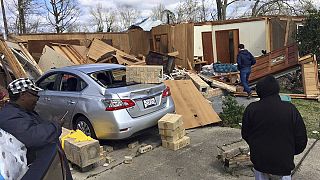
(164, 43)
(207, 47)
(235, 44)
(222, 45)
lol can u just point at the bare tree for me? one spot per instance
(281, 7)
(110, 20)
(62, 13)
(222, 8)
(127, 15)
(97, 17)
(188, 11)
(103, 18)
(4, 19)
(158, 11)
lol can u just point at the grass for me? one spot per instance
(310, 112)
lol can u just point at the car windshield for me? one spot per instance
(111, 78)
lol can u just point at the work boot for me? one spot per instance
(249, 95)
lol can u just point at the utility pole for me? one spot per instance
(4, 20)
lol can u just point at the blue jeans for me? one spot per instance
(244, 77)
(263, 176)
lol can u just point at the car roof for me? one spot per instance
(89, 68)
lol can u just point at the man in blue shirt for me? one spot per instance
(245, 60)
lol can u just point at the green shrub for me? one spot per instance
(232, 112)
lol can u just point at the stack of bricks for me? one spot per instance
(144, 74)
(235, 154)
(172, 132)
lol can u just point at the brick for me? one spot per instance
(133, 145)
(145, 149)
(170, 121)
(178, 135)
(183, 142)
(109, 159)
(128, 159)
(108, 148)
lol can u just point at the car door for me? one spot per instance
(45, 106)
(69, 91)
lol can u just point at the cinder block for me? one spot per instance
(178, 135)
(83, 154)
(183, 142)
(128, 159)
(170, 121)
(145, 149)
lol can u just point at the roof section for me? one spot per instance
(262, 18)
(89, 68)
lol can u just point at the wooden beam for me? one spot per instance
(287, 32)
(26, 52)
(219, 84)
(13, 62)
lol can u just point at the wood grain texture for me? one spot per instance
(189, 103)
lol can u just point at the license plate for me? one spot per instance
(149, 102)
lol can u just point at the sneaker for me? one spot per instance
(249, 95)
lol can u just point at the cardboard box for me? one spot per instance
(144, 74)
(183, 142)
(170, 121)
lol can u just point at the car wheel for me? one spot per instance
(83, 124)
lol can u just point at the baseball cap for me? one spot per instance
(22, 85)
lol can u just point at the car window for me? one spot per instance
(70, 82)
(110, 78)
(48, 82)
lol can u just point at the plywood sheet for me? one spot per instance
(189, 103)
(51, 58)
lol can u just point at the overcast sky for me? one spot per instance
(144, 6)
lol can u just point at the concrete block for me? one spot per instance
(170, 121)
(176, 136)
(170, 132)
(183, 142)
(145, 149)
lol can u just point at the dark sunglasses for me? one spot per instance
(33, 94)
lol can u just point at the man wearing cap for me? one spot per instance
(275, 132)
(19, 118)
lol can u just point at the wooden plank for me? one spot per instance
(219, 84)
(199, 83)
(51, 58)
(26, 52)
(196, 112)
(13, 62)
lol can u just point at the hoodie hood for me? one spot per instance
(267, 86)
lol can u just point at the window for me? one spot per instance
(70, 82)
(48, 82)
(110, 78)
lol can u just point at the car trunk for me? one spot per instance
(147, 97)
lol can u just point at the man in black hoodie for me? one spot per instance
(245, 60)
(274, 130)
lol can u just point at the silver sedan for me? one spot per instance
(96, 99)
